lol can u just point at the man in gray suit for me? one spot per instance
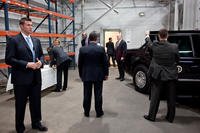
(93, 69)
(163, 73)
(61, 60)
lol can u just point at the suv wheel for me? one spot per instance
(140, 79)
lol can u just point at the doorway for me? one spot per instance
(110, 33)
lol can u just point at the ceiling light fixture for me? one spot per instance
(141, 14)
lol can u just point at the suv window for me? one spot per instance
(196, 42)
(184, 44)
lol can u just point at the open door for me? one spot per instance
(113, 34)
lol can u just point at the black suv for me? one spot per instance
(137, 61)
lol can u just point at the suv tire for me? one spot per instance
(140, 79)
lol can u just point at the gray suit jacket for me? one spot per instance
(165, 57)
(58, 55)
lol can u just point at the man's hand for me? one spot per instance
(54, 67)
(31, 65)
(38, 63)
(34, 65)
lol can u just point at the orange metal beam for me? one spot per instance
(4, 65)
(31, 14)
(24, 5)
(9, 33)
(71, 53)
(45, 35)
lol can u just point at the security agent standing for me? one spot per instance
(163, 73)
(24, 53)
(110, 51)
(121, 49)
(61, 60)
(93, 69)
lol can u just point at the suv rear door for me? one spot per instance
(189, 61)
(189, 50)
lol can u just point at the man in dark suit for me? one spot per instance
(93, 69)
(121, 49)
(61, 60)
(84, 41)
(24, 53)
(163, 73)
(110, 51)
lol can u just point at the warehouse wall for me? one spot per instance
(14, 24)
(191, 14)
(127, 20)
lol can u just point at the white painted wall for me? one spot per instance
(131, 24)
(128, 20)
(191, 14)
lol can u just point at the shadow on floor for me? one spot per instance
(87, 125)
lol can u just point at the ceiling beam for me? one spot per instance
(134, 5)
(108, 5)
(99, 17)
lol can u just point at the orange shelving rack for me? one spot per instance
(25, 7)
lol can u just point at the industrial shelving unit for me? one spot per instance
(27, 7)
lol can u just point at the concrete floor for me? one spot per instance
(123, 107)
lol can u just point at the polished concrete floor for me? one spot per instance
(123, 107)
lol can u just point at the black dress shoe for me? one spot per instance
(168, 119)
(20, 131)
(118, 78)
(87, 114)
(64, 88)
(40, 127)
(100, 114)
(56, 90)
(122, 79)
(148, 118)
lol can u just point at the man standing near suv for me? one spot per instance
(121, 49)
(163, 73)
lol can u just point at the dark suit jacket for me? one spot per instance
(18, 54)
(58, 55)
(83, 42)
(165, 57)
(110, 48)
(92, 63)
(121, 50)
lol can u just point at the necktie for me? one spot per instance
(116, 45)
(30, 44)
